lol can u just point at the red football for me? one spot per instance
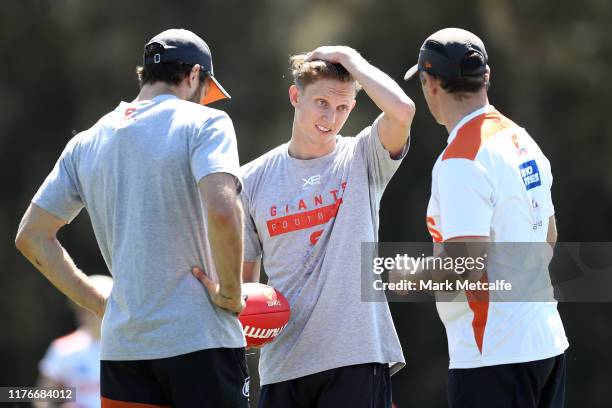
(266, 313)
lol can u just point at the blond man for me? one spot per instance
(309, 204)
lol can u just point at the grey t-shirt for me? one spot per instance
(308, 218)
(136, 172)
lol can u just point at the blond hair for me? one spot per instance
(306, 72)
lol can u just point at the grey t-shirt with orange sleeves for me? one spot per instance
(308, 218)
(136, 172)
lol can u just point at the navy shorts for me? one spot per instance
(356, 386)
(206, 378)
(534, 384)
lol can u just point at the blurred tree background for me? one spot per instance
(67, 62)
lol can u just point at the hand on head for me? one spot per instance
(331, 53)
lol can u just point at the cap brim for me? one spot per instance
(215, 92)
(411, 72)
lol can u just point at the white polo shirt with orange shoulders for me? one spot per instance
(492, 180)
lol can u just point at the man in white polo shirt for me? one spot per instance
(490, 184)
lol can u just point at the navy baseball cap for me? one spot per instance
(180, 45)
(451, 53)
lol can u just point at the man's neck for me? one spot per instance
(457, 110)
(150, 91)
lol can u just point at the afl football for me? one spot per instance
(266, 313)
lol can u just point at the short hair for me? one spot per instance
(461, 87)
(172, 72)
(306, 72)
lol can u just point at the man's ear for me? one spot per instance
(192, 78)
(431, 84)
(294, 94)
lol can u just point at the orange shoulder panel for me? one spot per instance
(474, 134)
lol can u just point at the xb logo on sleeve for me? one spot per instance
(311, 181)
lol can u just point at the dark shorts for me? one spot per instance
(535, 384)
(356, 386)
(205, 378)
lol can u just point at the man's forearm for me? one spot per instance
(251, 271)
(225, 237)
(398, 109)
(423, 274)
(381, 88)
(54, 262)
(452, 262)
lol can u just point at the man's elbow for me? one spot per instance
(405, 111)
(24, 241)
(225, 215)
(220, 216)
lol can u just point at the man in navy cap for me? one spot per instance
(158, 177)
(490, 184)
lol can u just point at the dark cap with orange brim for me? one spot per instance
(180, 45)
(451, 53)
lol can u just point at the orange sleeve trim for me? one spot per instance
(478, 301)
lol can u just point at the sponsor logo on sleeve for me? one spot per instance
(530, 174)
